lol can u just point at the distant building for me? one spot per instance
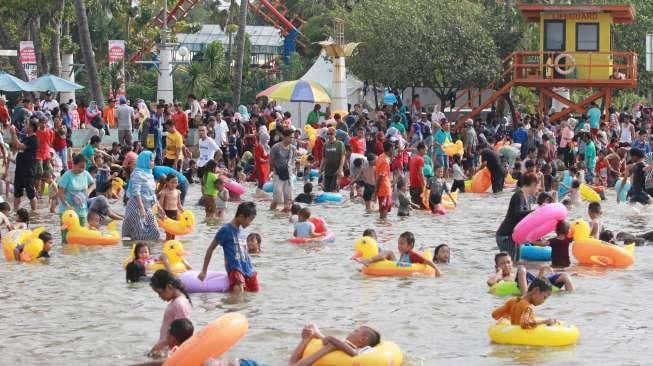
(267, 43)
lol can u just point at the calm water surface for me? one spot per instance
(78, 310)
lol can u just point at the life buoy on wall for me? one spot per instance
(570, 64)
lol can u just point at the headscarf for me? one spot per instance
(142, 173)
(264, 139)
(244, 114)
(143, 162)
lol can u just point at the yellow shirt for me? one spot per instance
(174, 142)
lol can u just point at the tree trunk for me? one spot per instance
(7, 43)
(35, 31)
(55, 52)
(240, 50)
(87, 52)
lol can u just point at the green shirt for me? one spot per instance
(399, 126)
(314, 117)
(88, 152)
(333, 153)
(209, 185)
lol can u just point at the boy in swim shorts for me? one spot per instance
(504, 272)
(238, 264)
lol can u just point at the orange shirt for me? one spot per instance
(109, 115)
(518, 310)
(382, 170)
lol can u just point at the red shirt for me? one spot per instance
(415, 257)
(181, 123)
(318, 150)
(4, 113)
(44, 137)
(357, 145)
(415, 167)
(382, 170)
(58, 142)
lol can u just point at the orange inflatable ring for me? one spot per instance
(481, 181)
(212, 341)
(594, 252)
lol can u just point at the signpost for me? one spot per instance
(28, 59)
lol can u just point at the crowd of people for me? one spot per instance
(392, 156)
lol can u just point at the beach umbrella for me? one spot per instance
(54, 84)
(297, 91)
(11, 83)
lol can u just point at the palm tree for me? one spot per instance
(87, 51)
(196, 80)
(55, 51)
(240, 51)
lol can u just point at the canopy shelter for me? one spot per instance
(49, 82)
(11, 83)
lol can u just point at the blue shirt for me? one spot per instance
(594, 115)
(75, 186)
(303, 229)
(590, 156)
(520, 136)
(642, 145)
(235, 256)
(441, 137)
(162, 170)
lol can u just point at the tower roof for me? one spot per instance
(624, 14)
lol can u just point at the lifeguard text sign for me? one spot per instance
(576, 16)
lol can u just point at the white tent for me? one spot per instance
(322, 73)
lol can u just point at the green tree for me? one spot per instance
(240, 51)
(440, 44)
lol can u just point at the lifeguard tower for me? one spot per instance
(575, 53)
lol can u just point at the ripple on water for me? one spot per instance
(78, 310)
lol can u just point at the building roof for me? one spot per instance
(264, 39)
(620, 13)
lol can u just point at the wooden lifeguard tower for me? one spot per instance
(575, 53)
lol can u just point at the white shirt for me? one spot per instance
(48, 106)
(195, 109)
(207, 147)
(221, 128)
(436, 116)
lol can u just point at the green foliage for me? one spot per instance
(525, 99)
(294, 69)
(440, 44)
(627, 99)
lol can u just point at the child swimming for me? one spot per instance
(171, 290)
(22, 219)
(238, 264)
(560, 246)
(438, 186)
(294, 210)
(594, 212)
(359, 341)
(407, 255)
(504, 272)
(305, 228)
(520, 310)
(307, 196)
(254, 243)
(441, 254)
(48, 242)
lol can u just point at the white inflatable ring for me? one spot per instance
(570, 66)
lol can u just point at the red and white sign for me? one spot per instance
(116, 50)
(117, 54)
(28, 59)
(27, 53)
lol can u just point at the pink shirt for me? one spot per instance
(179, 308)
(566, 136)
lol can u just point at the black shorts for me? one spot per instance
(171, 214)
(416, 195)
(24, 182)
(368, 191)
(170, 162)
(458, 185)
(330, 183)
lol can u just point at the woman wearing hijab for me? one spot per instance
(140, 223)
(262, 158)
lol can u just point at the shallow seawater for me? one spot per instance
(78, 310)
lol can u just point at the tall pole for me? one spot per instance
(240, 52)
(164, 90)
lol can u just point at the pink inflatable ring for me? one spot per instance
(539, 223)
